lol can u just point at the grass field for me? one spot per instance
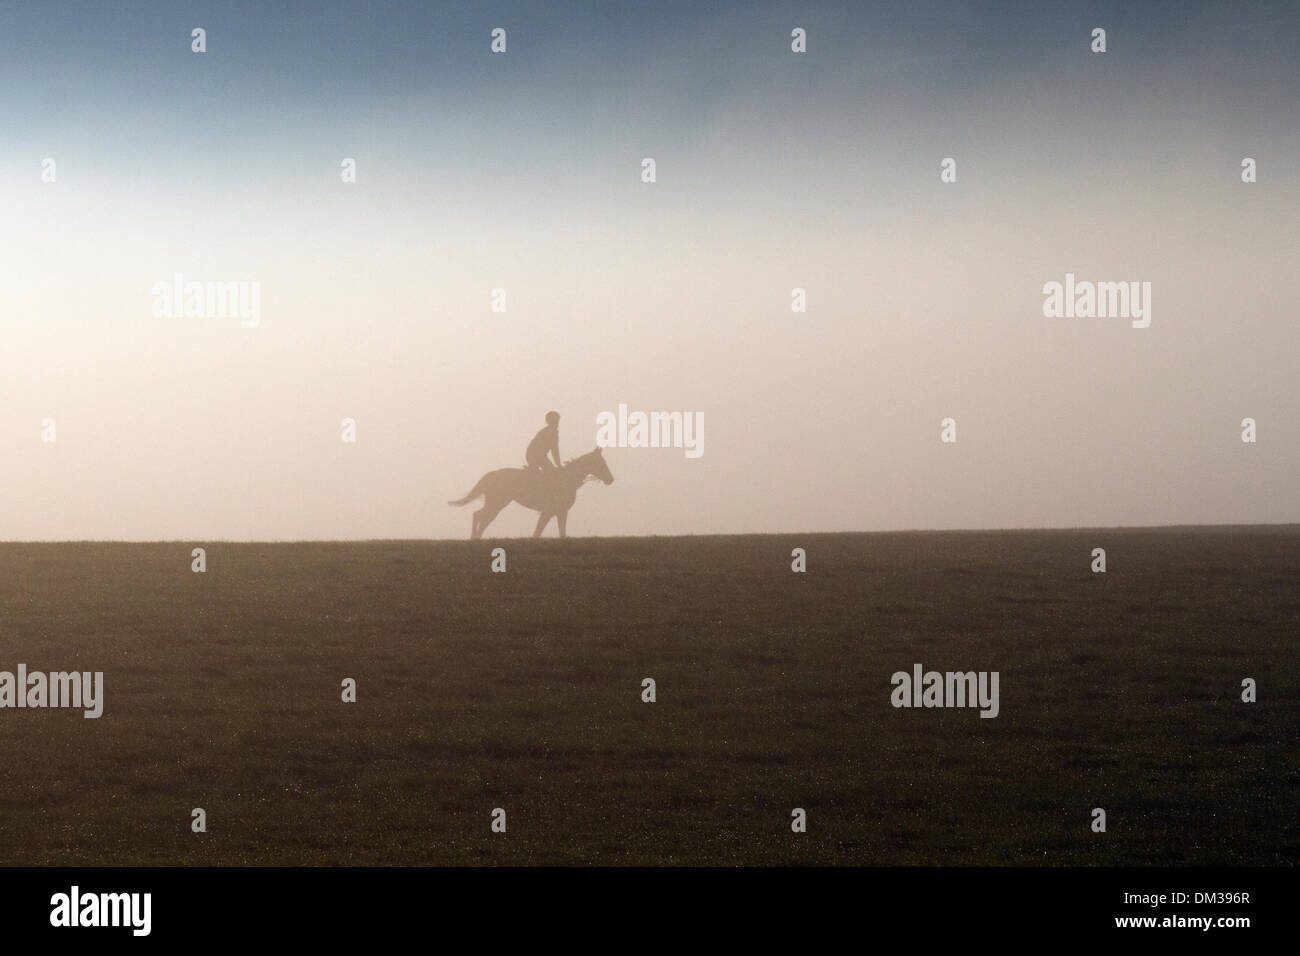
(523, 691)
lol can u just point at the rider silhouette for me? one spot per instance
(545, 442)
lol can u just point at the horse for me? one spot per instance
(551, 492)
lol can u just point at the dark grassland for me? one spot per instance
(523, 691)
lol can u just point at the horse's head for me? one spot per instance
(597, 468)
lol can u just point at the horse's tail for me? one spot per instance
(474, 492)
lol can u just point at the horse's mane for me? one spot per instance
(570, 461)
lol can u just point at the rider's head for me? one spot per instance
(552, 418)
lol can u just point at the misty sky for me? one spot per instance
(522, 171)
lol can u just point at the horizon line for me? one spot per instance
(1291, 525)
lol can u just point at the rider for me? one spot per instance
(545, 442)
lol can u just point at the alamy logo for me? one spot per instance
(208, 300)
(952, 689)
(74, 689)
(651, 430)
(1098, 300)
(103, 909)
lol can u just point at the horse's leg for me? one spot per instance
(485, 515)
(481, 519)
(542, 519)
(560, 519)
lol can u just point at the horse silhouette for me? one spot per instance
(551, 492)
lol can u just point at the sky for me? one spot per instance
(522, 171)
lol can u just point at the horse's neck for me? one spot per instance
(576, 471)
